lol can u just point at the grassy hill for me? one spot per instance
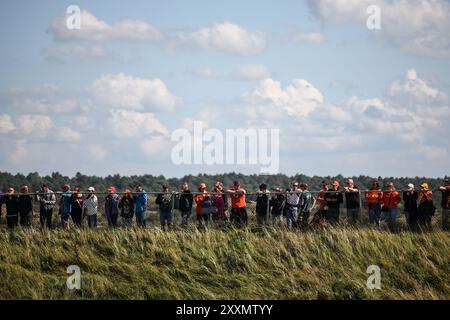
(253, 263)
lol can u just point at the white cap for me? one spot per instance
(91, 189)
(410, 186)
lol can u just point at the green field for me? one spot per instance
(224, 263)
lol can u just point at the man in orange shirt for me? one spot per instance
(204, 203)
(391, 200)
(238, 205)
(374, 198)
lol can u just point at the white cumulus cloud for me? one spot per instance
(297, 99)
(43, 99)
(120, 91)
(6, 124)
(96, 30)
(67, 134)
(132, 124)
(226, 37)
(416, 26)
(34, 123)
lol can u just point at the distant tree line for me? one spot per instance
(154, 183)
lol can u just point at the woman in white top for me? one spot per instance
(90, 206)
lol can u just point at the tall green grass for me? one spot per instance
(252, 263)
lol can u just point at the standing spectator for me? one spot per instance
(410, 197)
(47, 200)
(12, 208)
(352, 202)
(90, 206)
(140, 202)
(65, 206)
(77, 207)
(307, 202)
(391, 200)
(219, 185)
(126, 206)
(238, 204)
(2, 199)
(426, 207)
(262, 204)
(112, 207)
(445, 204)
(218, 200)
(185, 204)
(25, 207)
(292, 200)
(277, 203)
(320, 216)
(164, 200)
(203, 205)
(374, 198)
(334, 199)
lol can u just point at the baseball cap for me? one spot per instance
(91, 189)
(112, 189)
(410, 186)
(424, 185)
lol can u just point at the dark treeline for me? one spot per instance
(154, 183)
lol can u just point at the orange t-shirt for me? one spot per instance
(238, 201)
(391, 199)
(374, 196)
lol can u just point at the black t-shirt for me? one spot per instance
(261, 203)
(334, 198)
(410, 199)
(186, 200)
(352, 199)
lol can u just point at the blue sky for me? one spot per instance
(367, 101)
